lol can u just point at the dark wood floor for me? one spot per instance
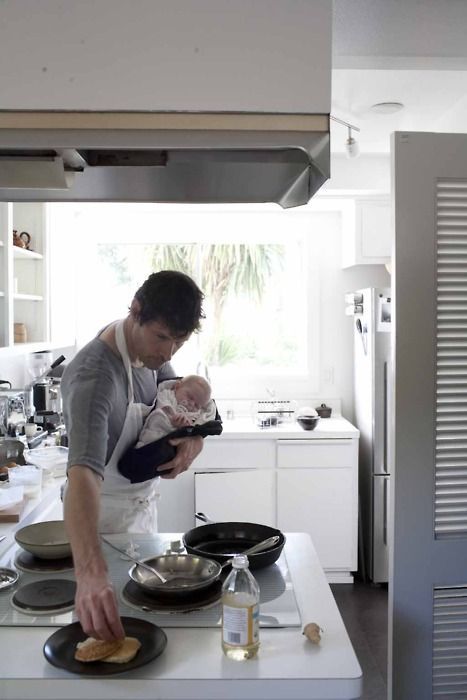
(364, 607)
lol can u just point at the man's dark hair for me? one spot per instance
(172, 298)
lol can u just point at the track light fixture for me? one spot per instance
(351, 145)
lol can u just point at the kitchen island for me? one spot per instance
(193, 667)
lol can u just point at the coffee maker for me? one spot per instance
(44, 390)
(47, 401)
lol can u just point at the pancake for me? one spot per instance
(126, 653)
(96, 649)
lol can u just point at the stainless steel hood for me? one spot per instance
(163, 157)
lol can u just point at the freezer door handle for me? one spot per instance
(381, 495)
(385, 511)
(385, 417)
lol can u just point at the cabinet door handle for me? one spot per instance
(317, 441)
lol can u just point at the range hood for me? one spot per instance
(163, 157)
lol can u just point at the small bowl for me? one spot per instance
(47, 540)
(8, 578)
(324, 411)
(308, 422)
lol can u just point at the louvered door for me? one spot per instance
(428, 569)
(451, 359)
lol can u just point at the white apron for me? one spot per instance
(127, 507)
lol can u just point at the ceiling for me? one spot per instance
(412, 52)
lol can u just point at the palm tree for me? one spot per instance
(221, 269)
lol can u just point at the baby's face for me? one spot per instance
(192, 395)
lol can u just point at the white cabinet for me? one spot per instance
(297, 485)
(176, 503)
(242, 496)
(367, 239)
(24, 316)
(317, 492)
(315, 453)
(225, 453)
(318, 501)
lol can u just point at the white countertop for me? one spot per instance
(327, 428)
(193, 667)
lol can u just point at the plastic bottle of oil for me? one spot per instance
(240, 612)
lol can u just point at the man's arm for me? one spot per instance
(96, 603)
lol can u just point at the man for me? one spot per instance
(108, 389)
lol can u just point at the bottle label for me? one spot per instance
(240, 625)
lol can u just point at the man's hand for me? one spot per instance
(188, 448)
(97, 608)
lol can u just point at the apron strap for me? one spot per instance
(123, 350)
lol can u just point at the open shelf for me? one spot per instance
(28, 297)
(25, 290)
(24, 254)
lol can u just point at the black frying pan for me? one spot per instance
(220, 541)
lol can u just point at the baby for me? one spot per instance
(179, 403)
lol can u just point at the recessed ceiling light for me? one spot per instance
(387, 107)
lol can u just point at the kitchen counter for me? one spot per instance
(193, 666)
(327, 428)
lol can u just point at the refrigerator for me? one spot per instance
(371, 311)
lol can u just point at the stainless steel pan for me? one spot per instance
(183, 573)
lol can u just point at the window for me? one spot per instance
(254, 266)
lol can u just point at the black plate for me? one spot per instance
(59, 649)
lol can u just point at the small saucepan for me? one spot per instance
(181, 574)
(221, 541)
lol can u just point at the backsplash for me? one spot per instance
(231, 409)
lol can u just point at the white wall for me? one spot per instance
(336, 329)
(364, 175)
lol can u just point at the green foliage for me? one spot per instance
(222, 269)
(226, 349)
(174, 257)
(115, 259)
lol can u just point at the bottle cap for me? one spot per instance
(240, 561)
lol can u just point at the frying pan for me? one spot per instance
(220, 541)
(182, 574)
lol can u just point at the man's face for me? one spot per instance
(154, 344)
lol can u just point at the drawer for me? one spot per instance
(316, 453)
(236, 454)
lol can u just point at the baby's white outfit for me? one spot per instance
(158, 423)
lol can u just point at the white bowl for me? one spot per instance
(46, 540)
(52, 459)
